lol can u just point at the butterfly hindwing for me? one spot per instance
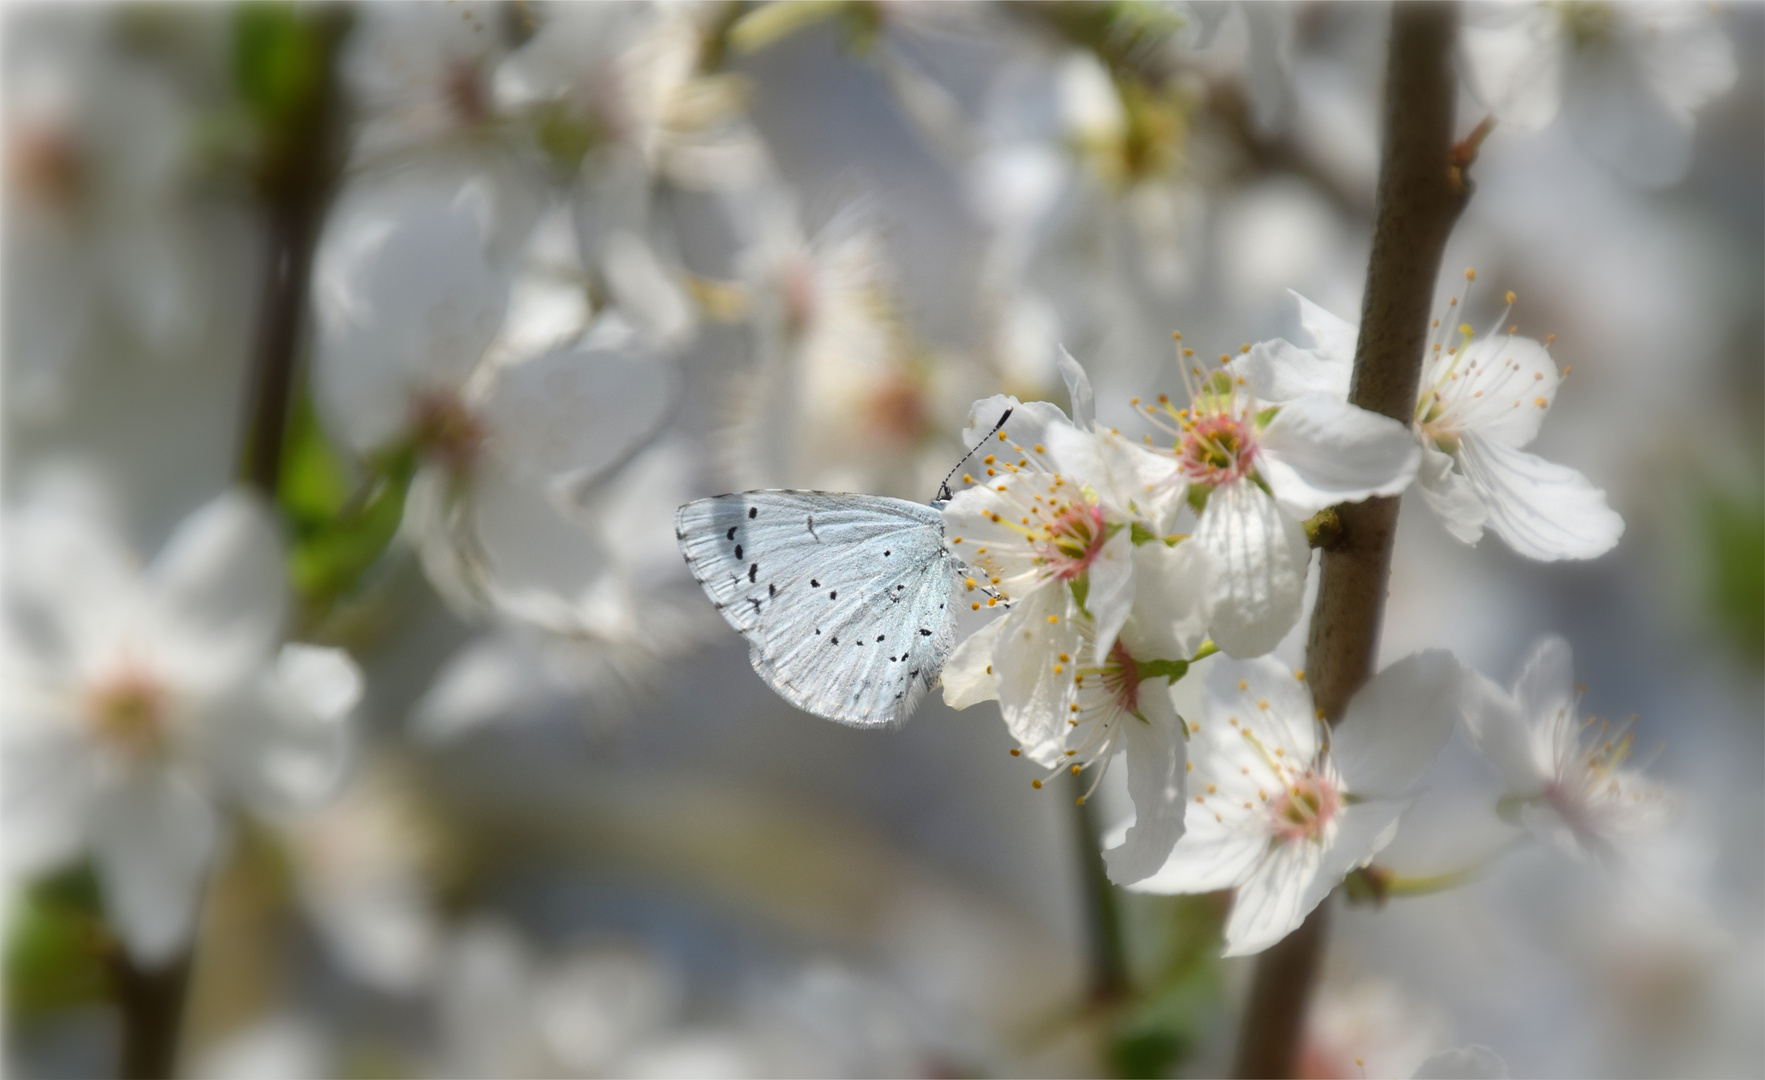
(844, 599)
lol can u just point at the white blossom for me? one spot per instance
(1481, 401)
(1258, 466)
(1571, 790)
(1281, 808)
(412, 288)
(1629, 76)
(136, 700)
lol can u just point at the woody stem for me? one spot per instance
(1421, 193)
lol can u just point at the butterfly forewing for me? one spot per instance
(844, 599)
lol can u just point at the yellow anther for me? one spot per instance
(1037, 784)
(1300, 674)
(1015, 752)
(1540, 402)
(1058, 669)
(1243, 684)
(1244, 348)
(1211, 789)
(1511, 297)
(969, 582)
(1262, 704)
(976, 606)
(1470, 273)
(1053, 618)
(1075, 771)
(1065, 658)
(988, 460)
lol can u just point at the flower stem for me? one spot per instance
(1418, 202)
(1109, 966)
(151, 1001)
(295, 174)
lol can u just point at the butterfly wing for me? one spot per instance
(844, 599)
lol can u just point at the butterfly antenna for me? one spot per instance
(944, 493)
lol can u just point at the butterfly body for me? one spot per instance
(846, 600)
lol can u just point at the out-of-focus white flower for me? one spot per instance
(412, 289)
(1463, 1063)
(1265, 463)
(1574, 793)
(840, 395)
(100, 230)
(642, 611)
(613, 94)
(1630, 76)
(1481, 400)
(422, 75)
(359, 875)
(507, 1012)
(137, 699)
(1367, 1026)
(1282, 808)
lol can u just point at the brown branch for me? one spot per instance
(151, 1003)
(297, 170)
(1109, 966)
(1420, 197)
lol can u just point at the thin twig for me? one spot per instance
(151, 1002)
(1419, 199)
(297, 173)
(1109, 968)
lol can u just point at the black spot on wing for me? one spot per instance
(730, 535)
(771, 589)
(833, 594)
(753, 572)
(923, 632)
(753, 511)
(738, 551)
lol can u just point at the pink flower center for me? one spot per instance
(1305, 808)
(1216, 449)
(462, 85)
(127, 711)
(1121, 679)
(1072, 540)
(446, 431)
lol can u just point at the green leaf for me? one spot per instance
(1734, 542)
(56, 945)
(342, 517)
(1162, 669)
(1198, 494)
(1081, 588)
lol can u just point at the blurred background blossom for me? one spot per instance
(416, 751)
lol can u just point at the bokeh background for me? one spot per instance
(592, 842)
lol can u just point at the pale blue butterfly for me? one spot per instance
(847, 600)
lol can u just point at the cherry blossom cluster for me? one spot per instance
(1121, 564)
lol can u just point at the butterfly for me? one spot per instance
(847, 600)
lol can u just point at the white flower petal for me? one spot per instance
(152, 838)
(408, 293)
(1078, 388)
(1272, 903)
(1320, 451)
(1513, 56)
(1029, 424)
(578, 411)
(1452, 498)
(644, 289)
(968, 678)
(1033, 697)
(1156, 754)
(1263, 695)
(1146, 482)
(1542, 510)
(1263, 558)
(1212, 855)
(1111, 594)
(285, 743)
(1174, 589)
(1396, 724)
(49, 782)
(1498, 388)
(218, 593)
(1496, 726)
(68, 581)
(1362, 831)
(493, 677)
